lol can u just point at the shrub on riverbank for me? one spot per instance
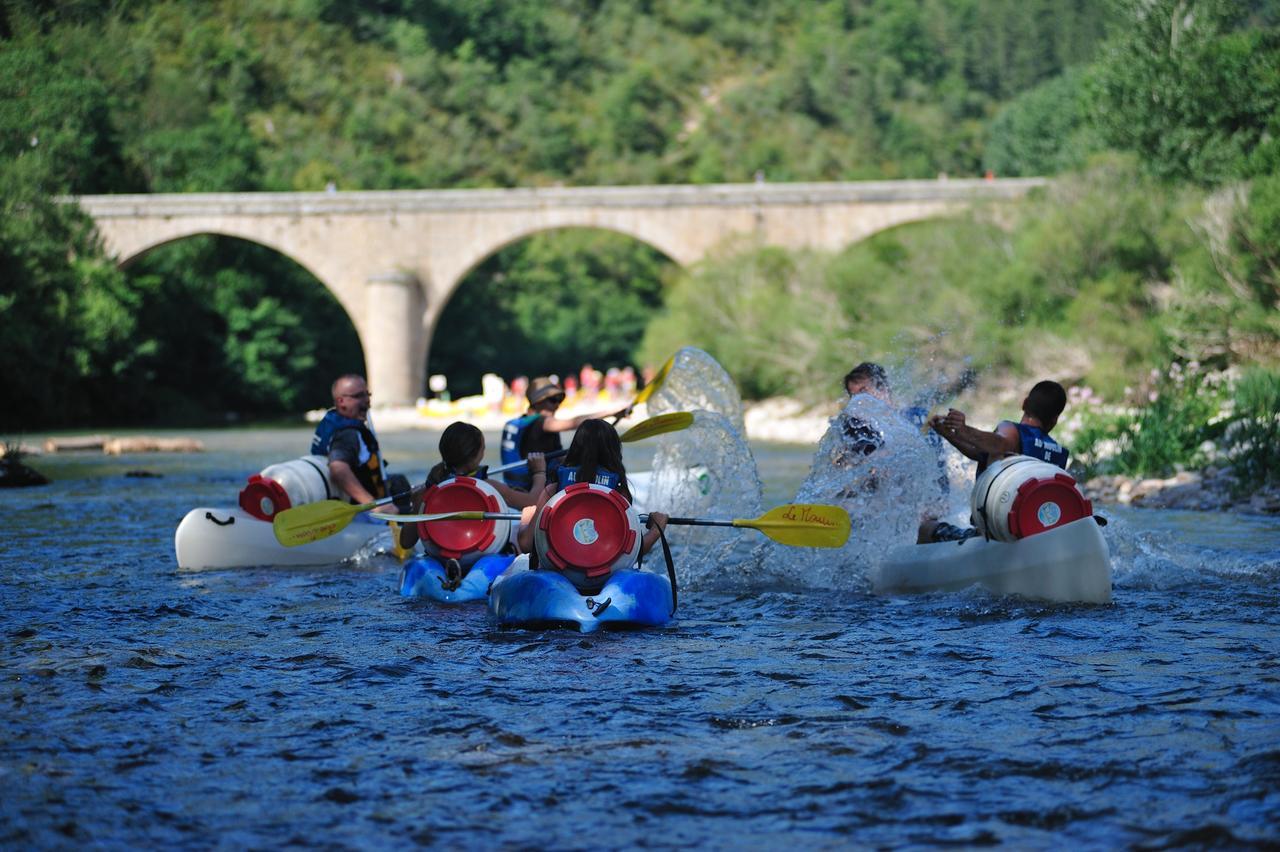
(1254, 441)
(1187, 419)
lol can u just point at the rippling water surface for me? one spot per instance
(147, 706)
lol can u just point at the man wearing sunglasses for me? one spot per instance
(344, 435)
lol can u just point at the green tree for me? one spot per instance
(1193, 86)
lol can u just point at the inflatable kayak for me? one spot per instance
(1036, 536)
(524, 598)
(427, 577)
(232, 538)
(1068, 564)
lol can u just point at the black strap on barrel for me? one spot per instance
(671, 567)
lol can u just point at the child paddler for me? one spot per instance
(461, 453)
(595, 456)
(538, 430)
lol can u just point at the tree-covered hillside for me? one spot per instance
(188, 96)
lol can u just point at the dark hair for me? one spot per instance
(596, 445)
(458, 444)
(870, 372)
(1045, 403)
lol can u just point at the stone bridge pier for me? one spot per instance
(392, 259)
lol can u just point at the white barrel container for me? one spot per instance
(587, 532)
(1019, 496)
(285, 485)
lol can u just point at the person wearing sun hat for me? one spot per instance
(538, 429)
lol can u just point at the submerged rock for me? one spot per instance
(15, 474)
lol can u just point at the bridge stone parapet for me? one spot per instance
(393, 258)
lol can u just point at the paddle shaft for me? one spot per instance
(697, 522)
(554, 454)
(515, 516)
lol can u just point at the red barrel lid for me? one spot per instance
(587, 527)
(264, 498)
(1042, 504)
(454, 538)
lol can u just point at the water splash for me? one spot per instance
(697, 382)
(706, 471)
(876, 465)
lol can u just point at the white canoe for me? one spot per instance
(231, 538)
(1069, 564)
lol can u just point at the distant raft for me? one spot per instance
(524, 598)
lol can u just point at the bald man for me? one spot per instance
(355, 463)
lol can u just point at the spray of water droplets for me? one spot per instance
(697, 382)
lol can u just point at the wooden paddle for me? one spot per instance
(795, 524)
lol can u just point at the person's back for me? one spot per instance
(1041, 408)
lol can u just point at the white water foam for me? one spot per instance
(697, 382)
(706, 471)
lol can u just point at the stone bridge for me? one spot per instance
(393, 258)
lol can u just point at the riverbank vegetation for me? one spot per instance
(1155, 245)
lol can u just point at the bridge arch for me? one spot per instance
(209, 308)
(478, 254)
(602, 281)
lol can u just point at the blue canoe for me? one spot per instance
(425, 577)
(536, 599)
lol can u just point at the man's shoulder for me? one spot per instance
(344, 445)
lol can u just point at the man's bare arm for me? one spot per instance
(345, 478)
(974, 443)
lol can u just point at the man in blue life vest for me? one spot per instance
(538, 430)
(1028, 437)
(344, 435)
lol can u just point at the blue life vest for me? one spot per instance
(1037, 444)
(332, 424)
(513, 450)
(569, 475)
(370, 471)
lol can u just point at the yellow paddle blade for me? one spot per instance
(671, 422)
(401, 553)
(803, 525)
(314, 521)
(658, 378)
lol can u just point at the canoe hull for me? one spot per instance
(1067, 564)
(425, 577)
(536, 599)
(231, 538)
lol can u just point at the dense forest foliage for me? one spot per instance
(187, 96)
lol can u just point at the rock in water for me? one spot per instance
(15, 474)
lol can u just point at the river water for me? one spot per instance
(144, 706)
